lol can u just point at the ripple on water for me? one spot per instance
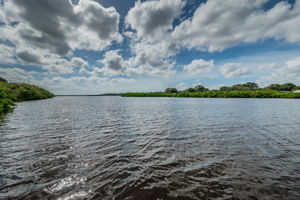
(151, 148)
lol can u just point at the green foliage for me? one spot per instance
(251, 85)
(241, 87)
(225, 88)
(198, 88)
(246, 90)
(296, 88)
(220, 94)
(287, 87)
(13, 92)
(190, 90)
(3, 80)
(283, 87)
(171, 90)
(273, 86)
(5, 103)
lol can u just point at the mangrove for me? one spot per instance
(246, 90)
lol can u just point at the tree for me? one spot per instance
(200, 88)
(274, 86)
(190, 90)
(239, 87)
(225, 88)
(3, 80)
(171, 90)
(287, 87)
(296, 88)
(251, 85)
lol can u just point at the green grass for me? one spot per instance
(220, 94)
(15, 92)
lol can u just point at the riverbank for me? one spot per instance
(16, 92)
(219, 94)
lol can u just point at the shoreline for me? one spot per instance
(220, 94)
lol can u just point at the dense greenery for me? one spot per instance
(247, 90)
(14, 92)
(198, 88)
(5, 103)
(241, 87)
(219, 94)
(283, 87)
(171, 90)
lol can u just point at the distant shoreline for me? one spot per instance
(220, 94)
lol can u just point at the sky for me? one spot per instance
(112, 46)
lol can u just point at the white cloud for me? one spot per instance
(182, 86)
(153, 18)
(282, 72)
(151, 47)
(58, 26)
(79, 62)
(113, 60)
(199, 66)
(100, 85)
(217, 25)
(7, 54)
(234, 70)
(16, 75)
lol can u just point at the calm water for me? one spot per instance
(151, 148)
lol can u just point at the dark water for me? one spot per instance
(151, 148)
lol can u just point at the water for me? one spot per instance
(151, 148)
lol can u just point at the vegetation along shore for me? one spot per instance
(247, 90)
(15, 92)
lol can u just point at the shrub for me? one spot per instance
(171, 90)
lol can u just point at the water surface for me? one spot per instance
(151, 148)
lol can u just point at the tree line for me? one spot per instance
(249, 86)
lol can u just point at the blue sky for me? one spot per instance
(93, 47)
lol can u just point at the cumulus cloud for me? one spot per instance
(16, 75)
(7, 54)
(113, 60)
(79, 62)
(52, 63)
(29, 57)
(288, 71)
(153, 18)
(59, 26)
(182, 86)
(151, 45)
(153, 54)
(99, 85)
(217, 25)
(113, 64)
(292, 67)
(199, 66)
(234, 70)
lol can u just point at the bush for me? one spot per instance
(200, 88)
(3, 80)
(5, 103)
(273, 87)
(287, 87)
(12, 92)
(171, 90)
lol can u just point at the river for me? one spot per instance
(151, 148)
